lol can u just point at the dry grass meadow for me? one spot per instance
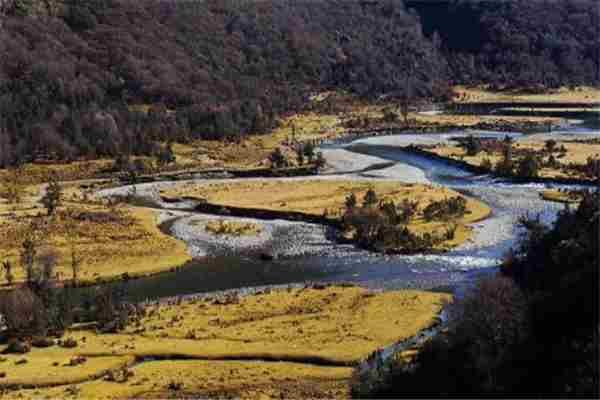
(109, 240)
(581, 94)
(576, 153)
(293, 343)
(320, 197)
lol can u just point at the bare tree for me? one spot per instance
(33, 235)
(76, 258)
(8, 275)
(28, 254)
(13, 188)
(24, 313)
(47, 261)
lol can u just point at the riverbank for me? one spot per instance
(565, 197)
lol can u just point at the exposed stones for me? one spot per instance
(175, 386)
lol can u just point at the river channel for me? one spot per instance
(308, 251)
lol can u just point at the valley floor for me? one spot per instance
(296, 343)
(292, 343)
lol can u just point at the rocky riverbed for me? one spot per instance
(312, 244)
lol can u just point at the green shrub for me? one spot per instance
(277, 159)
(528, 167)
(472, 146)
(486, 164)
(443, 210)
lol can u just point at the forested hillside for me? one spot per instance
(71, 72)
(227, 68)
(516, 42)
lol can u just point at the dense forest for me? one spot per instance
(102, 77)
(516, 43)
(530, 332)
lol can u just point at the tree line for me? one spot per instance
(516, 43)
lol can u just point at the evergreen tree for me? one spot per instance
(277, 159)
(309, 152)
(370, 199)
(505, 166)
(53, 197)
(472, 146)
(300, 155)
(320, 161)
(351, 202)
(528, 167)
(165, 155)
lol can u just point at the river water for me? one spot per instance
(310, 254)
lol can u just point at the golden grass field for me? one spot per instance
(294, 343)
(563, 95)
(560, 197)
(128, 242)
(467, 121)
(40, 173)
(234, 228)
(577, 153)
(316, 196)
(253, 151)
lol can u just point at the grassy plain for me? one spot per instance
(576, 153)
(318, 197)
(581, 94)
(109, 241)
(295, 343)
(561, 197)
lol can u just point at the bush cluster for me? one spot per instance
(382, 225)
(446, 209)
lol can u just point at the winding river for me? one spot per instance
(308, 252)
